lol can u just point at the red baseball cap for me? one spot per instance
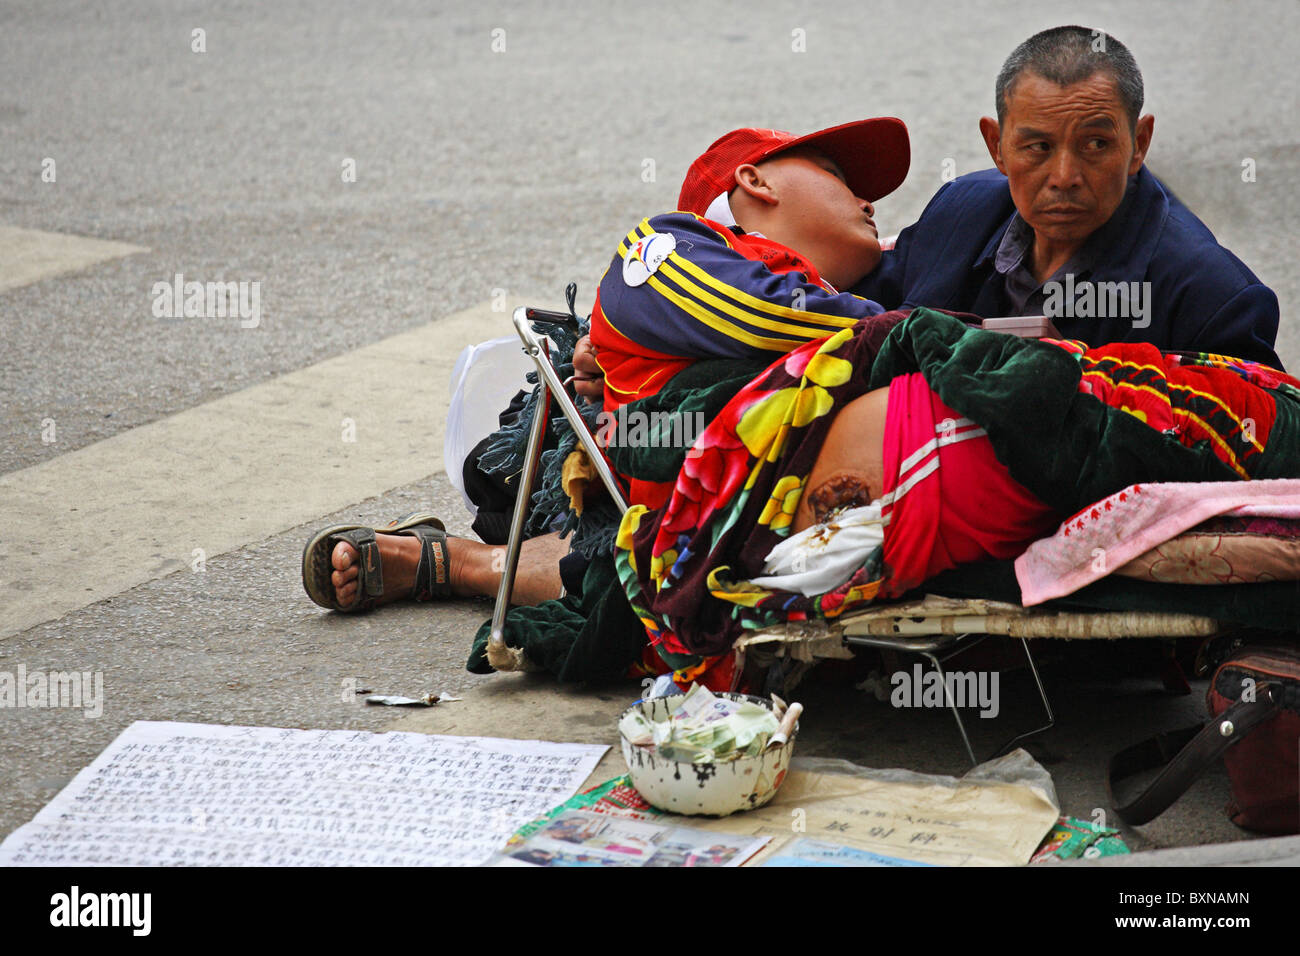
(873, 154)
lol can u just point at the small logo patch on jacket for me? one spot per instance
(646, 256)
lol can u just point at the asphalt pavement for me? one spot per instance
(409, 172)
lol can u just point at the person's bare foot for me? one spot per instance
(473, 568)
(399, 555)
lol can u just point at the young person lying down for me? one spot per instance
(842, 475)
(718, 278)
(712, 543)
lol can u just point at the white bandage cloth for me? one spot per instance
(822, 557)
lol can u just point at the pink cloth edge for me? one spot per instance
(1041, 579)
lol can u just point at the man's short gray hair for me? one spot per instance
(1066, 55)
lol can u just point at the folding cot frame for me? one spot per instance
(935, 628)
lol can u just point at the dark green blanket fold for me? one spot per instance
(592, 635)
(697, 393)
(1065, 446)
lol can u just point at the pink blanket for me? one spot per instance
(1104, 537)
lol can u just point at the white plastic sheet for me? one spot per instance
(484, 380)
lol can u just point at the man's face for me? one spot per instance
(819, 208)
(1067, 152)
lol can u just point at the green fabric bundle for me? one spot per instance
(1063, 445)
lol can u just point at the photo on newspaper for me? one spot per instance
(580, 838)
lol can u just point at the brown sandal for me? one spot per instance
(432, 575)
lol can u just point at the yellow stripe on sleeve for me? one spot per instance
(805, 330)
(698, 311)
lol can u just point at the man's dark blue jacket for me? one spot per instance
(1202, 297)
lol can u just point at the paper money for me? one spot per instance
(705, 728)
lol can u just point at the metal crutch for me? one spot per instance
(549, 383)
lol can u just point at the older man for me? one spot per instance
(1071, 224)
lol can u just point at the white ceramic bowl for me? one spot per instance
(713, 789)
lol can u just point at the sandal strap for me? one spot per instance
(433, 574)
(370, 570)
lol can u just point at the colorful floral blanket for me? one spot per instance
(1071, 424)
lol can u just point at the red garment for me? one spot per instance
(947, 497)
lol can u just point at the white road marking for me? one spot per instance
(95, 522)
(30, 255)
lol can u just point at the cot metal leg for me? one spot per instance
(937, 648)
(1042, 695)
(952, 705)
(961, 726)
